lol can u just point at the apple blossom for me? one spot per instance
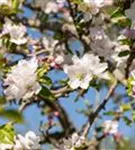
(3, 2)
(29, 142)
(5, 146)
(16, 32)
(75, 141)
(89, 8)
(83, 70)
(100, 42)
(21, 81)
(130, 14)
(110, 127)
(51, 7)
(49, 44)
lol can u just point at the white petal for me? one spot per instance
(74, 83)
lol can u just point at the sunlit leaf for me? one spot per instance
(127, 120)
(7, 134)
(125, 107)
(124, 53)
(45, 93)
(12, 115)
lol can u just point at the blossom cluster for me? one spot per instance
(22, 81)
(28, 142)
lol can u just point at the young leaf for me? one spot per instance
(45, 93)
(7, 134)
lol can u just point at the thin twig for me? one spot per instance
(79, 34)
(93, 115)
(24, 105)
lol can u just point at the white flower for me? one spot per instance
(120, 61)
(29, 142)
(51, 7)
(130, 14)
(83, 70)
(16, 32)
(3, 2)
(49, 43)
(75, 141)
(5, 146)
(21, 81)
(89, 8)
(110, 127)
(100, 43)
(59, 59)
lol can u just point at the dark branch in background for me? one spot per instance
(129, 62)
(94, 115)
(127, 4)
(86, 46)
(56, 136)
(63, 117)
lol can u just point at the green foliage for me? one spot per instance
(12, 115)
(7, 134)
(130, 86)
(117, 13)
(45, 93)
(118, 17)
(45, 80)
(124, 53)
(133, 115)
(2, 100)
(127, 120)
(109, 113)
(77, 1)
(125, 107)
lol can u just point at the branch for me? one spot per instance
(129, 63)
(86, 46)
(63, 117)
(94, 115)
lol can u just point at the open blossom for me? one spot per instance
(29, 142)
(49, 44)
(100, 42)
(110, 127)
(91, 7)
(83, 70)
(16, 32)
(75, 141)
(5, 146)
(51, 7)
(21, 81)
(130, 14)
(3, 2)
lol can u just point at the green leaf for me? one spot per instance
(126, 41)
(124, 53)
(7, 134)
(46, 80)
(126, 107)
(130, 86)
(45, 93)
(2, 100)
(118, 17)
(127, 120)
(12, 115)
(133, 116)
(15, 4)
(117, 13)
(109, 113)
